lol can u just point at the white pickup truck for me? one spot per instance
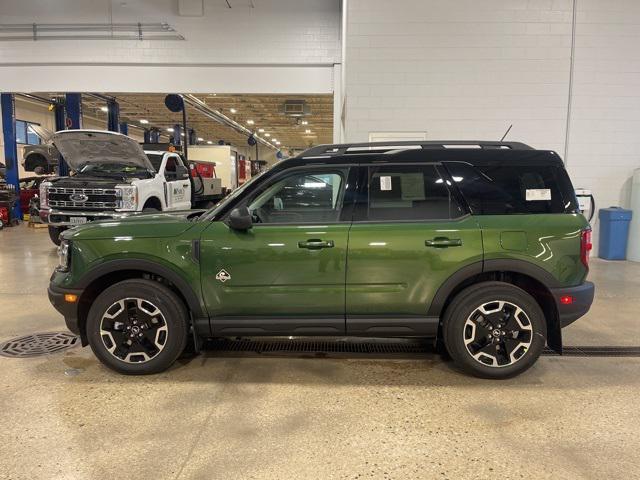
(112, 177)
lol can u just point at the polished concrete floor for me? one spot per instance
(65, 416)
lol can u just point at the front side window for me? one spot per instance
(409, 192)
(302, 197)
(25, 134)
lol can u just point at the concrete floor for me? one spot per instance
(290, 418)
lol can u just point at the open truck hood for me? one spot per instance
(79, 147)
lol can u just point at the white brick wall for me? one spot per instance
(463, 69)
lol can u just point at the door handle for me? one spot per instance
(185, 185)
(315, 244)
(443, 242)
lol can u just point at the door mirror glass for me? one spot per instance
(240, 219)
(182, 172)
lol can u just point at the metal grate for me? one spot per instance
(38, 344)
(596, 351)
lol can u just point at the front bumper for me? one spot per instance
(581, 299)
(68, 310)
(62, 218)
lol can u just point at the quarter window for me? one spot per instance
(312, 196)
(409, 192)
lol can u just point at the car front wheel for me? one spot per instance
(137, 327)
(494, 330)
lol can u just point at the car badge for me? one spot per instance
(223, 275)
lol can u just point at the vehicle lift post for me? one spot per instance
(113, 116)
(124, 128)
(7, 101)
(73, 121)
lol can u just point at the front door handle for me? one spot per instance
(443, 242)
(185, 185)
(315, 244)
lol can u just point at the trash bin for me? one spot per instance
(614, 233)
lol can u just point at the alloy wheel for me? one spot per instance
(498, 333)
(133, 330)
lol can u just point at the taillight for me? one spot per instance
(585, 246)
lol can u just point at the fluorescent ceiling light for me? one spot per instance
(170, 129)
(250, 122)
(267, 134)
(277, 143)
(143, 121)
(261, 130)
(307, 131)
(304, 122)
(209, 142)
(200, 139)
(104, 109)
(182, 134)
(233, 110)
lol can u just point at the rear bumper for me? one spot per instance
(581, 300)
(68, 310)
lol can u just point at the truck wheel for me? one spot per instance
(137, 327)
(494, 330)
(54, 234)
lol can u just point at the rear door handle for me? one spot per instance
(315, 244)
(443, 242)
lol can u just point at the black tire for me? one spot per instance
(171, 316)
(54, 234)
(483, 335)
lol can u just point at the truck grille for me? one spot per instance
(83, 198)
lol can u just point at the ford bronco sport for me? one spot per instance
(477, 245)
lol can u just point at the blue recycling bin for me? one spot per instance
(614, 233)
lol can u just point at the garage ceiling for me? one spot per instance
(266, 111)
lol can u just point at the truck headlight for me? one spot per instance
(128, 197)
(64, 256)
(44, 194)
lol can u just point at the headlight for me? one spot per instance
(64, 256)
(44, 194)
(128, 197)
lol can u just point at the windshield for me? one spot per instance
(209, 214)
(113, 170)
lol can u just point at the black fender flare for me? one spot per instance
(486, 266)
(111, 266)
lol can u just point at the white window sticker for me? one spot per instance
(538, 194)
(385, 183)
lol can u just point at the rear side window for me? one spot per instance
(514, 189)
(409, 192)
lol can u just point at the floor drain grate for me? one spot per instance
(38, 344)
(596, 351)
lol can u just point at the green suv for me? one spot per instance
(477, 245)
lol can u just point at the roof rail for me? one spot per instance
(382, 147)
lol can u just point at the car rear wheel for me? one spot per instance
(137, 327)
(494, 330)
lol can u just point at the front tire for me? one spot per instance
(494, 330)
(54, 234)
(137, 327)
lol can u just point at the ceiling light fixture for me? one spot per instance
(182, 134)
(277, 143)
(143, 121)
(250, 122)
(267, 134)
(233, 110)
(209, 142)
(307, 131)
(261, 130)
(170, 130)
(200, 139)
(304, 122)
(104, 109)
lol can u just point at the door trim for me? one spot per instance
(392, 326)
(329, 325)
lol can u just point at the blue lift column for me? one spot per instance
(154, 135)
(7, 102)
(124, 128)
(113, 116)
(59, 116)
(177, 134)
(73, 107)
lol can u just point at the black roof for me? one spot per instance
(472, 152)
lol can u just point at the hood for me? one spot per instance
(136, 226)
(79, 147)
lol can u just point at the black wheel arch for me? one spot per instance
(114, 271)
(153, 202)
(528, 276)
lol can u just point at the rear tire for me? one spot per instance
(137, 327)
(494, 330)
(54, 234)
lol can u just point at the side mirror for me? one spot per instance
(240, 219)
(182, 172)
